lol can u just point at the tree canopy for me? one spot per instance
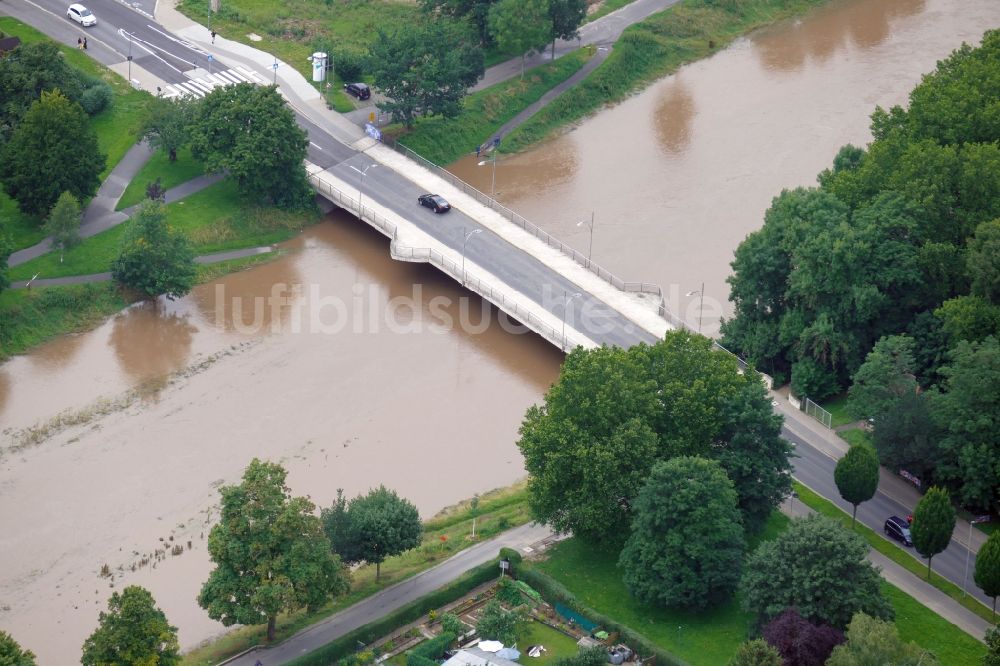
(987, 573)
(886, 376)
(425, 69)
(818, 567)
(168, 125)
(251, 133)
(372, 527)
(873, 641)
(497, 623)
(756, 653)
(856, 476)
(800, 642)
(270, 553)
(53, 150)
(933, 523)
(521, 26)
(132, 631)
(613, 413)
(63, 224)
(686, 545)
(154, 259)
(26, 73)
(12, 654)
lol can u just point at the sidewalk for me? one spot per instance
(922, 591)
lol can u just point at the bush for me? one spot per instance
(349, 65)
(428, 652)
(97, 98)
(337, 649)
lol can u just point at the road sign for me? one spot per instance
(210, 58)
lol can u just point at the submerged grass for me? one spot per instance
(443, 141)
(651, 49)
(444, 535)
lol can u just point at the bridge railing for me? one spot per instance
(442, 262)
(547, 238)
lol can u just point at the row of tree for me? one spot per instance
(886, 278)
(426, 69)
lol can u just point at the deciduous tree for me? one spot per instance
(687, 543)
(885, 376)
(756, 653)
(28, 71)
(250, 132)
(983, 260)
(12, 654)
(53, 150)
(496, 623)
(154, 259)
(800, 642)
(566, 17)
(856, 476)
(905, 436)
(520, 26)
(5, 250)
(270, 553)
(379, 525)
(987, 574)
(425, 69)
(933, 523)
(132, 631)
(992, 657)
(63, 225)
(820, 568)
(168, 125)
(873, 641)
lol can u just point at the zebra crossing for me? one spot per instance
(202, 85)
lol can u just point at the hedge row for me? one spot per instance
(553, 591)
(428, 652)
(337, 649)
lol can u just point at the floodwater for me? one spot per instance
(677, 175)
(342, 364)
(351, 381)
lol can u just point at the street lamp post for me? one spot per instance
(493, 183)
(590, 249)
(130, 35)
(363, 172)
(701, 303)
(464, 243)
(968, 555)
(567, 297)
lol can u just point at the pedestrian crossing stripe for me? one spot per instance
(202, 85)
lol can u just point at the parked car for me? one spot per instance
(898, 529)
(359, 90)
(81, 15)
(434, 202)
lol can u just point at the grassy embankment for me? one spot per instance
(711, 637)
(652, 49)
(484, 112)
(170, 175)
(444, 535)
(117, 127)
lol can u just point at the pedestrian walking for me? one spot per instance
(213, 36)
(79, 42)
(84, 43)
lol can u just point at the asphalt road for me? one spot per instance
(815, 469)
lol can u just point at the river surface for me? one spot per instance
(354, 370)
(677, 175)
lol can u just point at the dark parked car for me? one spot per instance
(359, 90)
(898, 529)
(434, 202)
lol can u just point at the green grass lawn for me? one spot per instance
(499, 510)
(891, 550)
(215, 219)
(557, 644)
(159, 166)
(932, 632)
(856, 436)
(443, 141)
(838, 410)
(22, 230)
(709, 637)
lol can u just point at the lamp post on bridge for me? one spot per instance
(464, 243)
(363, 173)
(590, 249)
(701, 303)
(567, 297)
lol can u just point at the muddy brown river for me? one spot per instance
(354, 370)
